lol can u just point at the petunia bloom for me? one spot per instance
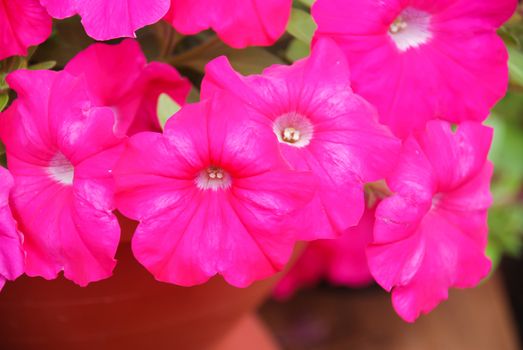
(105, 20)
(237, 23)
(418, 60)
(119, 77)
(213, 196)
(322, 126)
(23, 23)
(60, 149)
(340, 261)
(431, 234)
(11, 253)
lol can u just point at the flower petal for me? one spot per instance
(105, 20)
(237, 23)
(11, 254)
(60, 8)
(23, 23)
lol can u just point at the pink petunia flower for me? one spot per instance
(340, 261)
(60, 149)
(431, 234)
(23, 23)
(105, 20)
(11, 253)
(237, 23)
(417, 60)
(213, 196)
(322, 126)
(119, 77)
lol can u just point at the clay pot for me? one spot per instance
(130, 310)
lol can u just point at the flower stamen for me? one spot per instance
(291, 135)
(411, 29)
(293, 129)
(61, 170)
(398, 25)
(213, 178)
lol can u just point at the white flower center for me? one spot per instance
(213, 178)
(61, 170)
(293, 129)
(436, 201)
(410, 29)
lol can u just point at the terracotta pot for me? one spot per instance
(127, 311)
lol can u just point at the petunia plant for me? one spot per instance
(230, 131)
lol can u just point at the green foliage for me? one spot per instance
(307, 3)
(297, 50)
(166, 108)
(251, 60)
(506, 214)
(4, 100)
(43, 65)
(515, 65)
(301, 25)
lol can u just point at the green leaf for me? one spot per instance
(495, 254)
(505, 223)
(510, 108)
(301, 25)
(515, 65)
(43, 65)
(194, 95)
(297, 50)
(166, 108)
(507, 148)
(252, 60)
(307, 3)
(4, 99)
(3, 83)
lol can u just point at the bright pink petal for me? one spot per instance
(267, 202)
(60, 8)
(119, 77)
(242, 138)
(397, 263)
(19, 125)
(473, 198)
(154, 171)
(11, 253)
(237, 23)
(431, 234)
(111, 72)
(188, 232)
(413, 180)
(482, 13)
(23, 23)
(445, 38)
(348, 146)
(156, 79)
(86, 130)
(60, 150)
(451, 259)
(342, 261)
(105, 20)
(456, 156)
(348, 265)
